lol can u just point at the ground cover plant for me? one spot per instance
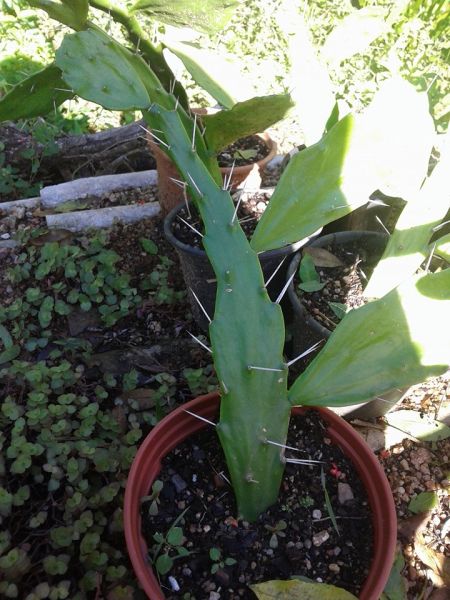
(63, 416)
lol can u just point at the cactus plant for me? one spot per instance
(50, 89)
(389, 336)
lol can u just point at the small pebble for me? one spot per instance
(5, 236)
(316, 514)
(320, 537)
(345, 493)
(334, 568)
(178, 482)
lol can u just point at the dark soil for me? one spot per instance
(249, 212)
(310, 546)
(244, 151)
(343, 285)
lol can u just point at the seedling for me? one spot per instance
(153, 498)
(309, 277)
(215, 554)
(169, 547)
(277, 531)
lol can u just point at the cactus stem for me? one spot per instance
(253, 368)
(195, 185)
(427, 266)
(193, 132)
(305, 353)
(191, 226)
(274, 273)
(440, 226)
(200, 342)
(283, 291)
(199, 417)
(201, 305)
(382, 224)
(282, 446)
(227, 180)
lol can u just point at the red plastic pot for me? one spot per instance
(169, 193)
(179, 425)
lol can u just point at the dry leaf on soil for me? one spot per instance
(438, 563)
(299, 590)
(322, 257)
(418, 425)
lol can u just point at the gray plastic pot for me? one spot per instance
(200, 278)
(306, 330)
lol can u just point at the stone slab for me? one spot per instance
(102, 217)
(95, 187)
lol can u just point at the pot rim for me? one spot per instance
(178, 425)
(194, 251)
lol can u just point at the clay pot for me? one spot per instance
(306, 330)
(170, 194)
(179, 425)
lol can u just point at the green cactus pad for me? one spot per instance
(72, 13)
(396, 341)
(35, 96)
(111, 75)
(209, 16)
(247, 332)
(245, 118)
(320, 184)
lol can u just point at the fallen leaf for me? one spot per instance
(145, 397)
(299, 590)
(418, 425)
(70, 206)
(413, 526)
(53, 235)
(322, 257)
(438, 563)
(423, 502)
(395, 588)
(79, 320)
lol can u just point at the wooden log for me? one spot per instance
(117, 150)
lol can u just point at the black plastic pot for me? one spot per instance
(306, 330)
(200, 278)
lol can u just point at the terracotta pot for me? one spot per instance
(306, 330)
(179, 425)
(169, 193)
